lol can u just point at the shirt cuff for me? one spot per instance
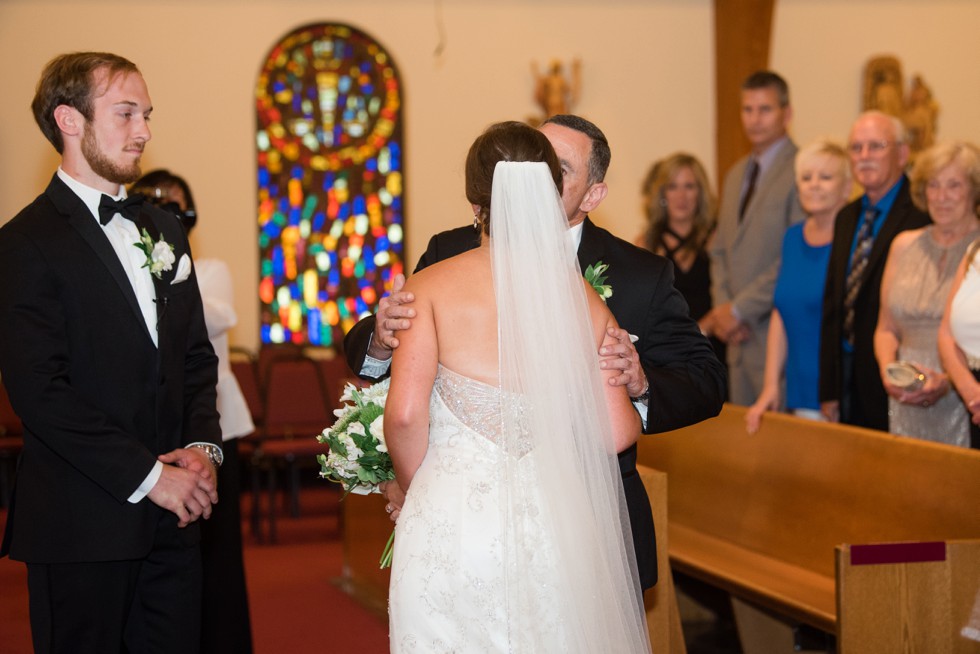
(374, 367)
(736, 313)
(643, 410)
(148, 483)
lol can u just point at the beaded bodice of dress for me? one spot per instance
(482, 408)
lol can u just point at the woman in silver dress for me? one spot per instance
(919, 273)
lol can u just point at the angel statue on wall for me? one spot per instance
(920, 116)
(553, 92)
(884, 91)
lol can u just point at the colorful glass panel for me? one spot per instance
(330, 182)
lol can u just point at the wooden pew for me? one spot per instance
(760, 516)
(366, 527)
(925, 605)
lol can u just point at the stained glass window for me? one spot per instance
(330, 182)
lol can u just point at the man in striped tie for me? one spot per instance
(850, 387)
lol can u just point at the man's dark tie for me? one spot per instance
(750, 189)
(129, 207)
(859, 263)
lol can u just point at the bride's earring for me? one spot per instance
(476, 221)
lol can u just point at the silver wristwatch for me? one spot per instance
(643, 397)
(215, 455)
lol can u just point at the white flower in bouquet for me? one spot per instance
(356, 443)
(378, 429)
(358, 456)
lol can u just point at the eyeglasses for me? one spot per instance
(874, 147)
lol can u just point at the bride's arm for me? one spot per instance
(623, 418)
(413, 371)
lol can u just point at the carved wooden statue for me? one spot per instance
(553, 92)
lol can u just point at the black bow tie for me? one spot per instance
(129, 208)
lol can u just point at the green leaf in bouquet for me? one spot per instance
(363, 442)
(365, 476)
(369, 414)
(335, 445)
(376, 459)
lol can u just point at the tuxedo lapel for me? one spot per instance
(82, 221)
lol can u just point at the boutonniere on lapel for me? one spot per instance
(595, 276)
(159, 254)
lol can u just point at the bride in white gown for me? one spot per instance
(504, 431)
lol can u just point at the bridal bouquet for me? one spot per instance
(358, 458)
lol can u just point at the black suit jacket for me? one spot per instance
(98, 401)
(867, 396)
(687, 382)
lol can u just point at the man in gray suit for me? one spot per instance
(758, 203)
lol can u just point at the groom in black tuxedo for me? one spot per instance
(106, 358)
(672, 374)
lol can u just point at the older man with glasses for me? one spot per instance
(850, 386)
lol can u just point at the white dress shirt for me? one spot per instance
(122, 235)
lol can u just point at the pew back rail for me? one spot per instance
(760, 515)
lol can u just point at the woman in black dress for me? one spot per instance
(680, 213)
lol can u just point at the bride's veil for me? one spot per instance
(563, 495)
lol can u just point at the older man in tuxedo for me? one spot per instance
(671, 374)
(106, 357)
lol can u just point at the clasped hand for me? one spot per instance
(188, 485)
(618, 353)
(721, 323)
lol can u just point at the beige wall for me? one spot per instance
(821, 47)
(648, 82)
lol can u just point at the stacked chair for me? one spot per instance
(293, 392)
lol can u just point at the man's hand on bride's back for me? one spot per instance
(394, 314)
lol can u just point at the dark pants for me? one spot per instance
(226, 628)
(144, 606)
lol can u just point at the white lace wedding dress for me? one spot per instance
(447, 579)
(514, 535)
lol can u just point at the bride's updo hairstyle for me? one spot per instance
(507, 141)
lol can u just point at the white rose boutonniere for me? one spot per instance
(596, 278)
(159, 254)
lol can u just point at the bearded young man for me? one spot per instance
(106, 358)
